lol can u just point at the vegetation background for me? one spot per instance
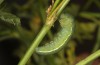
(25, 18)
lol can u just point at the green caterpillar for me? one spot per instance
(60, 39)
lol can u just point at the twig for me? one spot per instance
(89, 58)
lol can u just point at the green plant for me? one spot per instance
(32, 15)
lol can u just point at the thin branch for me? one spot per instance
(89, 58)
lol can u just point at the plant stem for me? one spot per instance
(59, 9)
(63, 6)
(43, 16)
(34, 45)
(55, 5)
(97, 44)
(89, 58)
(49, 22)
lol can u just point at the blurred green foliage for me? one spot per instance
(23, 19)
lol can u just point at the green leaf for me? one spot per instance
(9, 18)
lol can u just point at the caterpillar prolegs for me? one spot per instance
(59, 41)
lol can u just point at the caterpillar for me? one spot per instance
(59, 41)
